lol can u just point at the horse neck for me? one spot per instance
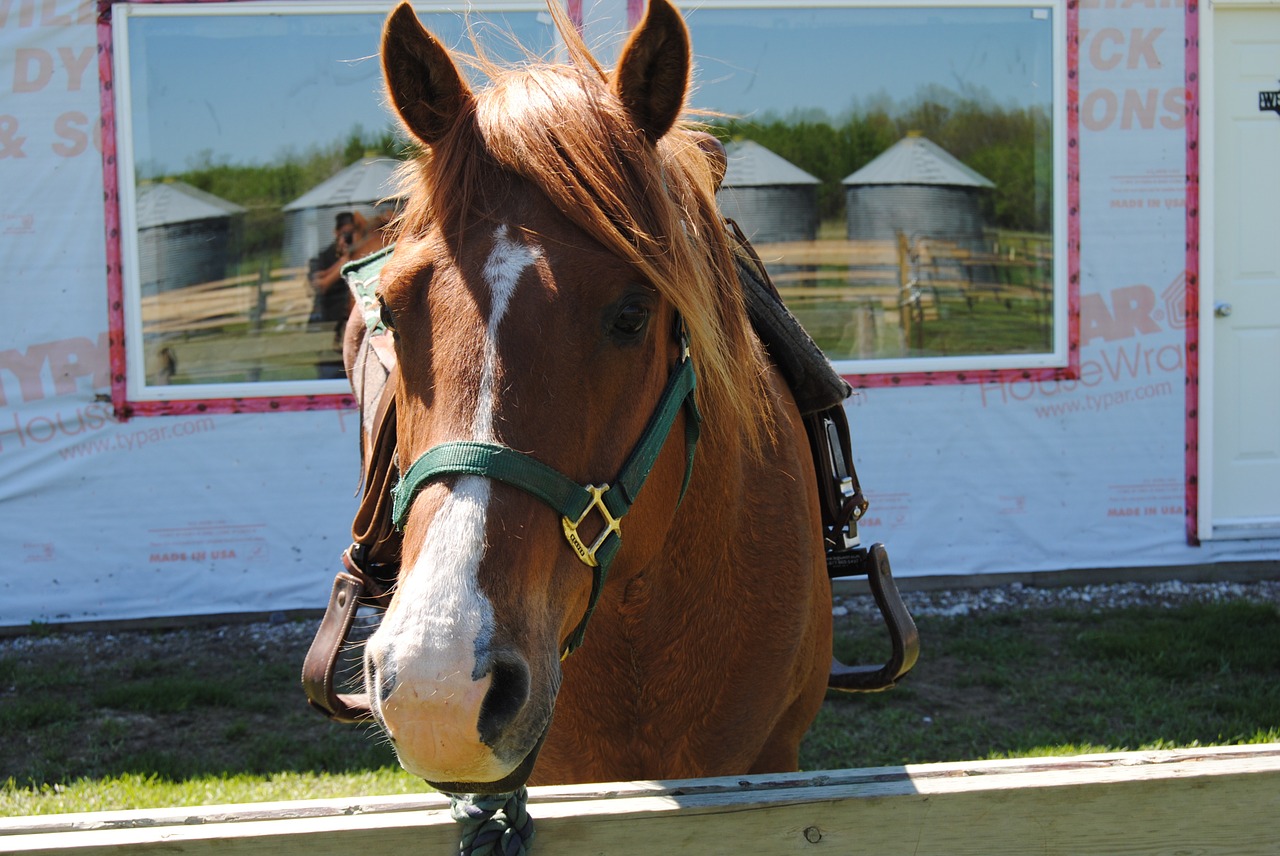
(708, 546)
(732, 563)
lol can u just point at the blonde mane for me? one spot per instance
(559, 128)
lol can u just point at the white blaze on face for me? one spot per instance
(441, 619)
(507, 262)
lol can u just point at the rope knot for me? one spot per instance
(493, 824)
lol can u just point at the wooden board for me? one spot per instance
(1212, 800)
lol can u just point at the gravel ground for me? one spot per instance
(1093, 597)
(270, 637)
(267, 638)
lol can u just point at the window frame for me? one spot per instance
(132, 396)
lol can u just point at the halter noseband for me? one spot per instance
(572, 501)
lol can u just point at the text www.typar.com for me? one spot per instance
(132, 441)
(1102, 401)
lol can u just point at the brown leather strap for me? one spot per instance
(370, 567)
(372, 527)
(320, 665)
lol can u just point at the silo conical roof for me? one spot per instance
(916, 160)
(164, 203)
(364, 182)
(752, 165)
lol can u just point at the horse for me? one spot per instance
(568, 328)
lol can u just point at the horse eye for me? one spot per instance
(385, 315)
(631, 319)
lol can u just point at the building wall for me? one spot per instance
(769, 214)
(881, 211)
(182, 254)
(195, 513)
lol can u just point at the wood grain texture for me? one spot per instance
(1211, 800)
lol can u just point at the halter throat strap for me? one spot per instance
(572, 501)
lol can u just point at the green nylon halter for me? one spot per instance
(574, 502)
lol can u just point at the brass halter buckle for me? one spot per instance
(612, 525)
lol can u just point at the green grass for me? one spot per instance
(150, 728)
(151, 790)
(1062, 682)
(988, 326)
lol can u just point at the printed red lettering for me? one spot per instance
(26, 367)
(1104, 98)
(68, 360)
(1100, 41)
(32, 69)
(75, 64)
(49, 15)
(1143, 107)
(1175, 106)
(26, 13)
(1095, 319)
(1100, 109)
(1107, 47)
(70, 128)
(1133, 305)
(10, 140)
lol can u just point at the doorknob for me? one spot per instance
(1222, 309)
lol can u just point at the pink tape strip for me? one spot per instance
(125, 409)
(1192, 73)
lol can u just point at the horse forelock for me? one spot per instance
(559, 129)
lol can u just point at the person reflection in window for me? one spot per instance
(332, 302)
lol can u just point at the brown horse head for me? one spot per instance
(559, 246)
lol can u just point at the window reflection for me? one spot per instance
(264, 158)
(895, 168)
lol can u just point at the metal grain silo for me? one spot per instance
(771, 198)
(185, 236)
(309, 219)
(917, 189)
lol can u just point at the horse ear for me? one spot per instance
(422, 80)
(653, 73)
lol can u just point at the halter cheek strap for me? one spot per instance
(572, 501)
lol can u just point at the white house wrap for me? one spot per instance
(1141, 460)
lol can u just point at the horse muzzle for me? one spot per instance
(463, 730)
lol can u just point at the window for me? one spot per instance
(901, 169)
(253, 145)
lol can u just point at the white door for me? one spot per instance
(1246, 274)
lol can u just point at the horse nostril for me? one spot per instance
(379, 677)
(386, 677)
(508, 693)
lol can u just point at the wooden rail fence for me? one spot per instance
(278, 296)
(1212, 800)
(904, 283)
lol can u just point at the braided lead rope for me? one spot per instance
(493, 824)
